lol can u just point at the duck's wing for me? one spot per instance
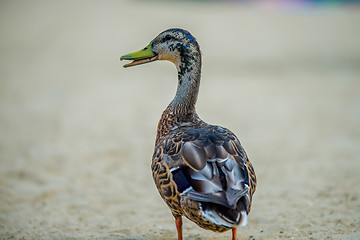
(205, 164)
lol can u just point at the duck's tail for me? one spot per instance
(231, 217)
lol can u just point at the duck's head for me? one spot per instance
(175, 45)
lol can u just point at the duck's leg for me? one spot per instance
(178, 223)
(234, 233)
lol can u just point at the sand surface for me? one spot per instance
(77, 130)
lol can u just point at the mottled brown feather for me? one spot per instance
(181, 146)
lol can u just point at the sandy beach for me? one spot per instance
(78, 130)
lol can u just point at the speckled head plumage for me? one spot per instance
(175, 39)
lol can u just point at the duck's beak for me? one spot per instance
(140, 57)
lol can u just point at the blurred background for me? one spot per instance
(78, 130)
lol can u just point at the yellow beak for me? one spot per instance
(140, 57)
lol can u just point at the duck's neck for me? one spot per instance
(181, 109)
(189, 72)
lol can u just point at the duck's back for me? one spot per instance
(203, 172)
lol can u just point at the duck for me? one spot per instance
(201, 171)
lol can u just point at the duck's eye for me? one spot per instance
(167, 38)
